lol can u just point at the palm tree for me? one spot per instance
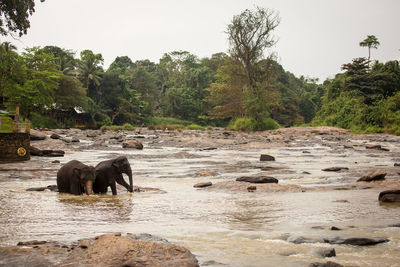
(89, 71)
(371, 42)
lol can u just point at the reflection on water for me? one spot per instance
(241, 229)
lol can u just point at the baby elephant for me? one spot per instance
(110, 171)
(76, 178)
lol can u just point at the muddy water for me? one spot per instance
(236, 229)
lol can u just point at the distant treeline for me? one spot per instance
(241, 87)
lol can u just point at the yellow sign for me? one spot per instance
(21, 152)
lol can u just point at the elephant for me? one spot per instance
(110, 171)
(76, 178)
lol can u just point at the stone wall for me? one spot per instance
(14, 147)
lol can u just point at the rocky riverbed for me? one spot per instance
(305, 182)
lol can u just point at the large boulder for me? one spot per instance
(389, 196)
(36, 135)
(258, 179)
(105, 250)
(132, 143)
(373, 176)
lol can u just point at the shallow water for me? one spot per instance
(237, 229)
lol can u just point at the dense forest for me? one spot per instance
(244, 89)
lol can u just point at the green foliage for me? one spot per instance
(41, 121)
(167, 120)
(6, 124)
(249, 124)
(14, 16)
(125, 127)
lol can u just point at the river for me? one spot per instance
(219, 227)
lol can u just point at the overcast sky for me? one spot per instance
(315, 36)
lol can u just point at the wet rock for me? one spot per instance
(334, 228)
(395, 225)
(75, 140)
(39, 189)
(46, 153)
(325, 252)
(212, 263)
(334, 169)
(37, 135)
(31, 243)
(377, 147)
(265, 157)
(356, 241)
(389, 196)
(251, 188)
(258, 179)
(302, 240)
(397, 164)
(55, 136)
(131, 143)
(327, 264)
(373, 176)
(201, 185)
(101, 251)
(55, 161)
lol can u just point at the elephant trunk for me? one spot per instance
(129, 173)
(89, 187)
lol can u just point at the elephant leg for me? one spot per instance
(75, 189)
(122, 182)
(113, 188)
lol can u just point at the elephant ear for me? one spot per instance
(77, 172)
(117, 163)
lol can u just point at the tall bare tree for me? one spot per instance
(250, 34)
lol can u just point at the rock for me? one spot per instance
(213, 263)
(395, 225)
(373, 176)
(335, 169)
(251, 188)
(105, 250)
(131, 143)
(327, 264)
(53, 153)
(46, 153)
(66, 139)
(55, 161)
(334, 228)
(356, 241)
(389, 196)
(36, 189)
(325, 252)
(265, 157)
(397, 164)
(257, 179)
(31, 243)
(302, 240)
(377, 147)
(39, 189)
(75, 140)
(201, 185)
(37, 135)
(55, 136)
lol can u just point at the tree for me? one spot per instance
(89, 71)
(249, 34)
(14, 16)
(371, 42)
(40, 80)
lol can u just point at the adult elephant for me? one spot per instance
(76, 178)
(110, 171)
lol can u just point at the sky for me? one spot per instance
(315, 37)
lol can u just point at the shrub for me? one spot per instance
(195, 127)
(248, 125)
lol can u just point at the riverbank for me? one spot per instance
(223, 223)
